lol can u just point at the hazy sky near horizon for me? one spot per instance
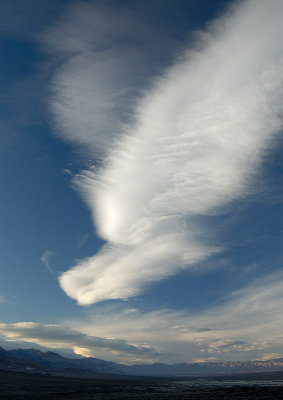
(141, 178)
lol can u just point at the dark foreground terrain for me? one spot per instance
(22, 386)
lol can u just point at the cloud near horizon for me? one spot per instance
(187, 146)
(59, 336)
(247, 325)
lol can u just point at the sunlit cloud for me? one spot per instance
(247, 325)
(59, 336)
(269, 356)
(230, 346)
(187, 146)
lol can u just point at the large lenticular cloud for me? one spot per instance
(198, 138)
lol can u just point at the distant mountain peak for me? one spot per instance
(34, 360)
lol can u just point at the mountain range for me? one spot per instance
(36, 361)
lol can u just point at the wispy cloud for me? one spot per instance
(45, 260)
(82, 239)
(247, 325)
(2, 299)
(102, 57)
(189, 146)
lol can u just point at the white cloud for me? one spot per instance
(193, 144)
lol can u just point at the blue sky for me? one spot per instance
(141, 179)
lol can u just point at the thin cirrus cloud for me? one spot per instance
(189, 145)
(2, 299)
(239, 329)
(45, 259)
(102, 56)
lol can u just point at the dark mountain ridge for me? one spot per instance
(33, 360)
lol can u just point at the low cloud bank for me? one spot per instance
(59, 336)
